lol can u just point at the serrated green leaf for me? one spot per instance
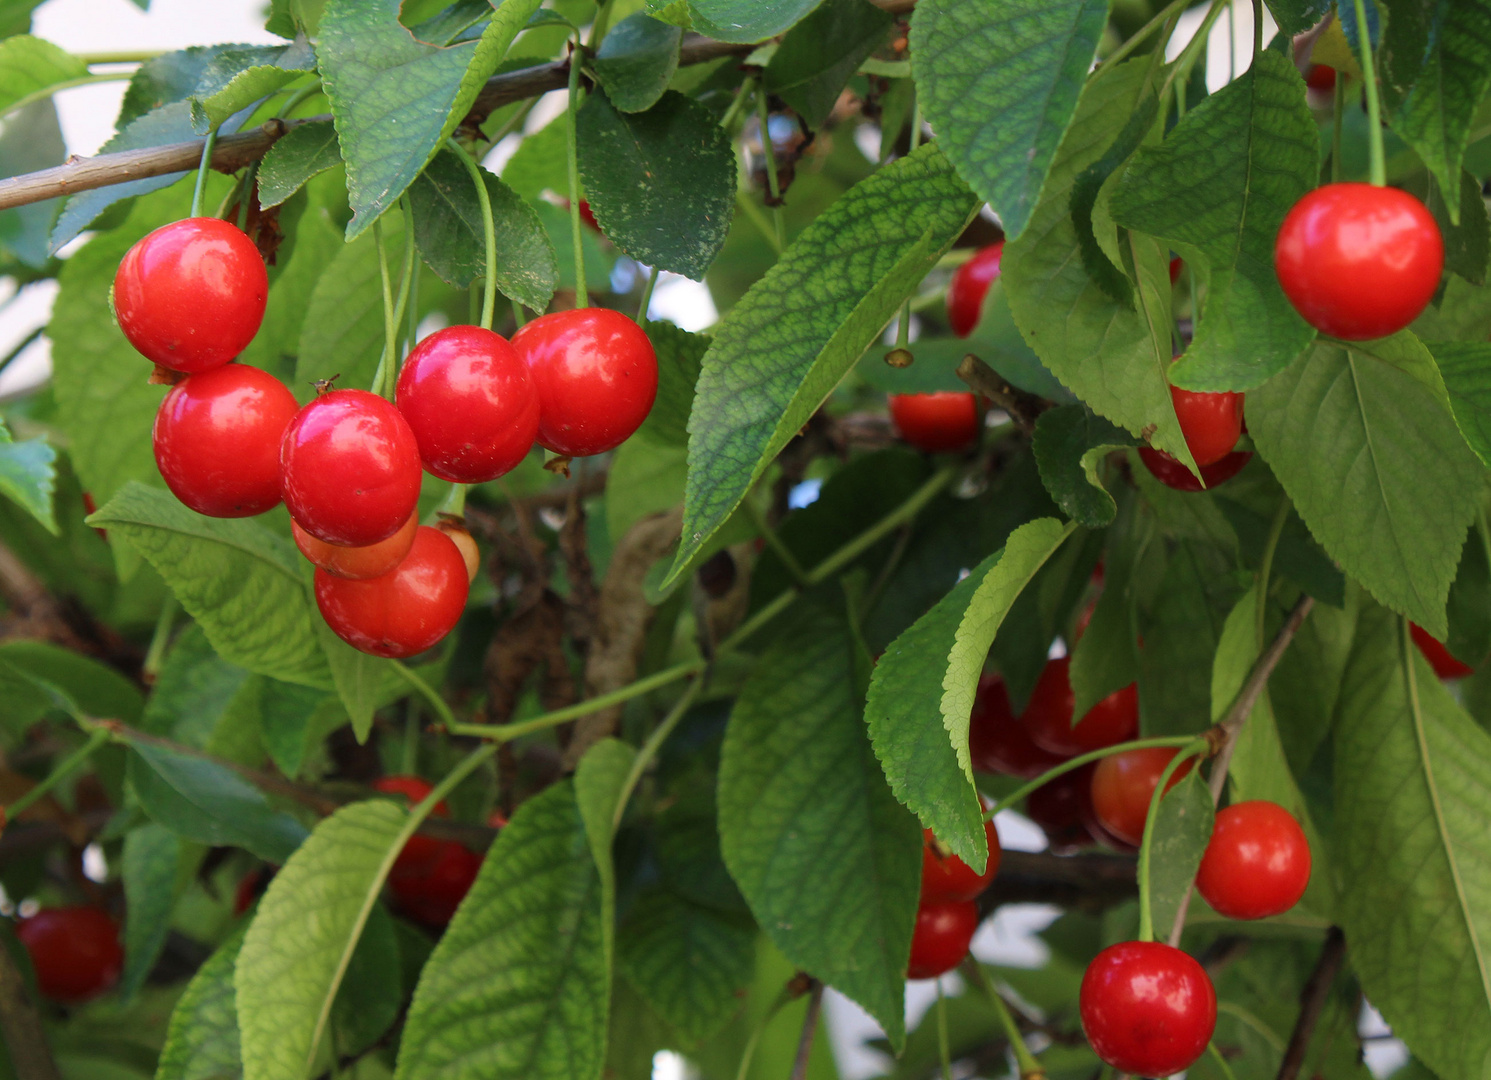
(395, 99)
(98, 690)
(286, 721)
(1469, 608)
(360, 679)
(343, 330)
(921, 692)
(1412, 791)
(150, 866)
(680, 356)
(1364, 447)
(743, 20)
(296, 948)
(184, 74)
(637, 60)
(787, 343)
(661, 183)
(372, 991)
(1466, 369)
(236, 80)
(29, 64)
(1182, 829)
(28, 476)
(817, 58)
(999, 81)
(240, 582)
(1070, 443)
(1217, 190)
(1116, 358)
(193, 691)
(518, 986)
(1435, 70)
(672, 12)
(645, 477)
(449, 234)
(202, 1039)
(1104, 658)
(1296, 556)
(824, 855)
(1466, 233)
(1297, 16)
(541, 162)
(31, 141)
(305, 151)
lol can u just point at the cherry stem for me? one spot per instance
(748, 1055)
(647, 290)
(58, 773)
(1181, 69)
(1142, 34)
(942, 1050)
(1146, 913)
(245, 192)
(425, 690)
(1025, 1061)
(743, 95)
(1221, 1061)
(489, 234)
(202, 170)
(1257, 28)
(454, 504)
(1378, 169)
(576, 61)
(777, 545)
(1338, 105)
(650, 748)
(159, 639)
(390, 323)
(768, 153)
(1080, 760)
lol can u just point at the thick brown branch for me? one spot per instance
(21, 1026)
(1312, 1002)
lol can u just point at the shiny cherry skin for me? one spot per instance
(1147, 1009)
(1048, 716)
(946, 877)
(997, 741)
(596, 375)
(1061, 808)
(407, 610)
(1122, 785)
(944, 422)
(75, 951)
(1359, 261)
(1211, 423)
(349, 468)
(970, 284)
(470, 402)
(429, 877)
(940, 940)
(1170, 472)
(357, 563)
(217, 440)
(1257, 863)
(1444, 663)
(191, 295)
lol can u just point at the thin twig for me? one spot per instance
(20, 1024)
(1312, 1002)
(1024, 407)
(809, 1028)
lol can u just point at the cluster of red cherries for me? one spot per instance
(231, 441)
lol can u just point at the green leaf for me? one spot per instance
(449, 234)
(518, 986)
(150, 865)
(29, 64)
(203, 801)
(1182, 829)
(30, 141)
(27, 667)
(742, 20)
(999, 81)
(1436, 67)
(1466, 369)
(637, 60)
(1469, 608)
(298, 944)
(1115, 357)
(680, 355)
(1070, 444)
(822, 852)
(202, 1039)
(239, 78)
(287, 715)
(541, 162)
(1364, 447)
(372, 991)
(816, 60)
(305, 151)
(1217, 190)
(1297, 16)
(790, 339)
(28, 475)
(240, 582)
(396, 100)
(1466, 232)
(184, 76)
(921, 692)
(360, 679)
(193, 692)
(661, 183)
(672, 12)
(646, 477)
(1297, 556)
(343, 329)
(1412, 791)
(1104, 658)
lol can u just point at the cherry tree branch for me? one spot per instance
(809, 1029)
(1312, 1002)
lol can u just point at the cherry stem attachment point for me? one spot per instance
(1080, 760)
(56, 776)
(454, 504)
(647, 290)
(203, 169)
(1146, 914)
(1378, 163)
(576, 61)
(489, 234)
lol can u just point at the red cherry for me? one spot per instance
(997, 741)
(1048, 716)
(1321, 77)
(75, 951)
(1147, 1009)
(1444, 663)
(1257, 863)
(349, 468)
(1122, 786)
(1175, 264)
(191, 295)
(970, 284)
(357, 563)
(470, 402)
(940, 940)
(946, 877)
(1359, 261)
(1211, 423)
(405, 611)
(1062, 809)
(587, 216)
(217, 440)
(944, 422)
(429, 877)
(1170, 472)
(596, 375)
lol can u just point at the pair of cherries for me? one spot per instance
(946, 915)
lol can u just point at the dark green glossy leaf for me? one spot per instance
(1217, 191)
(999, 81)
(1469, 607)
(1297, 16)
(1182, 829)
(741, 20)
(1466, 233)
(361, 680)
(636, 61)
(661, 183)
(679, 360)
(1105, 658)
(202, 1039)
(1297, 556)
(150, 866)
(98, 690)
(1465, 367)
(305, 151)
(287, 715)
(817, 58)
(1070, 444)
